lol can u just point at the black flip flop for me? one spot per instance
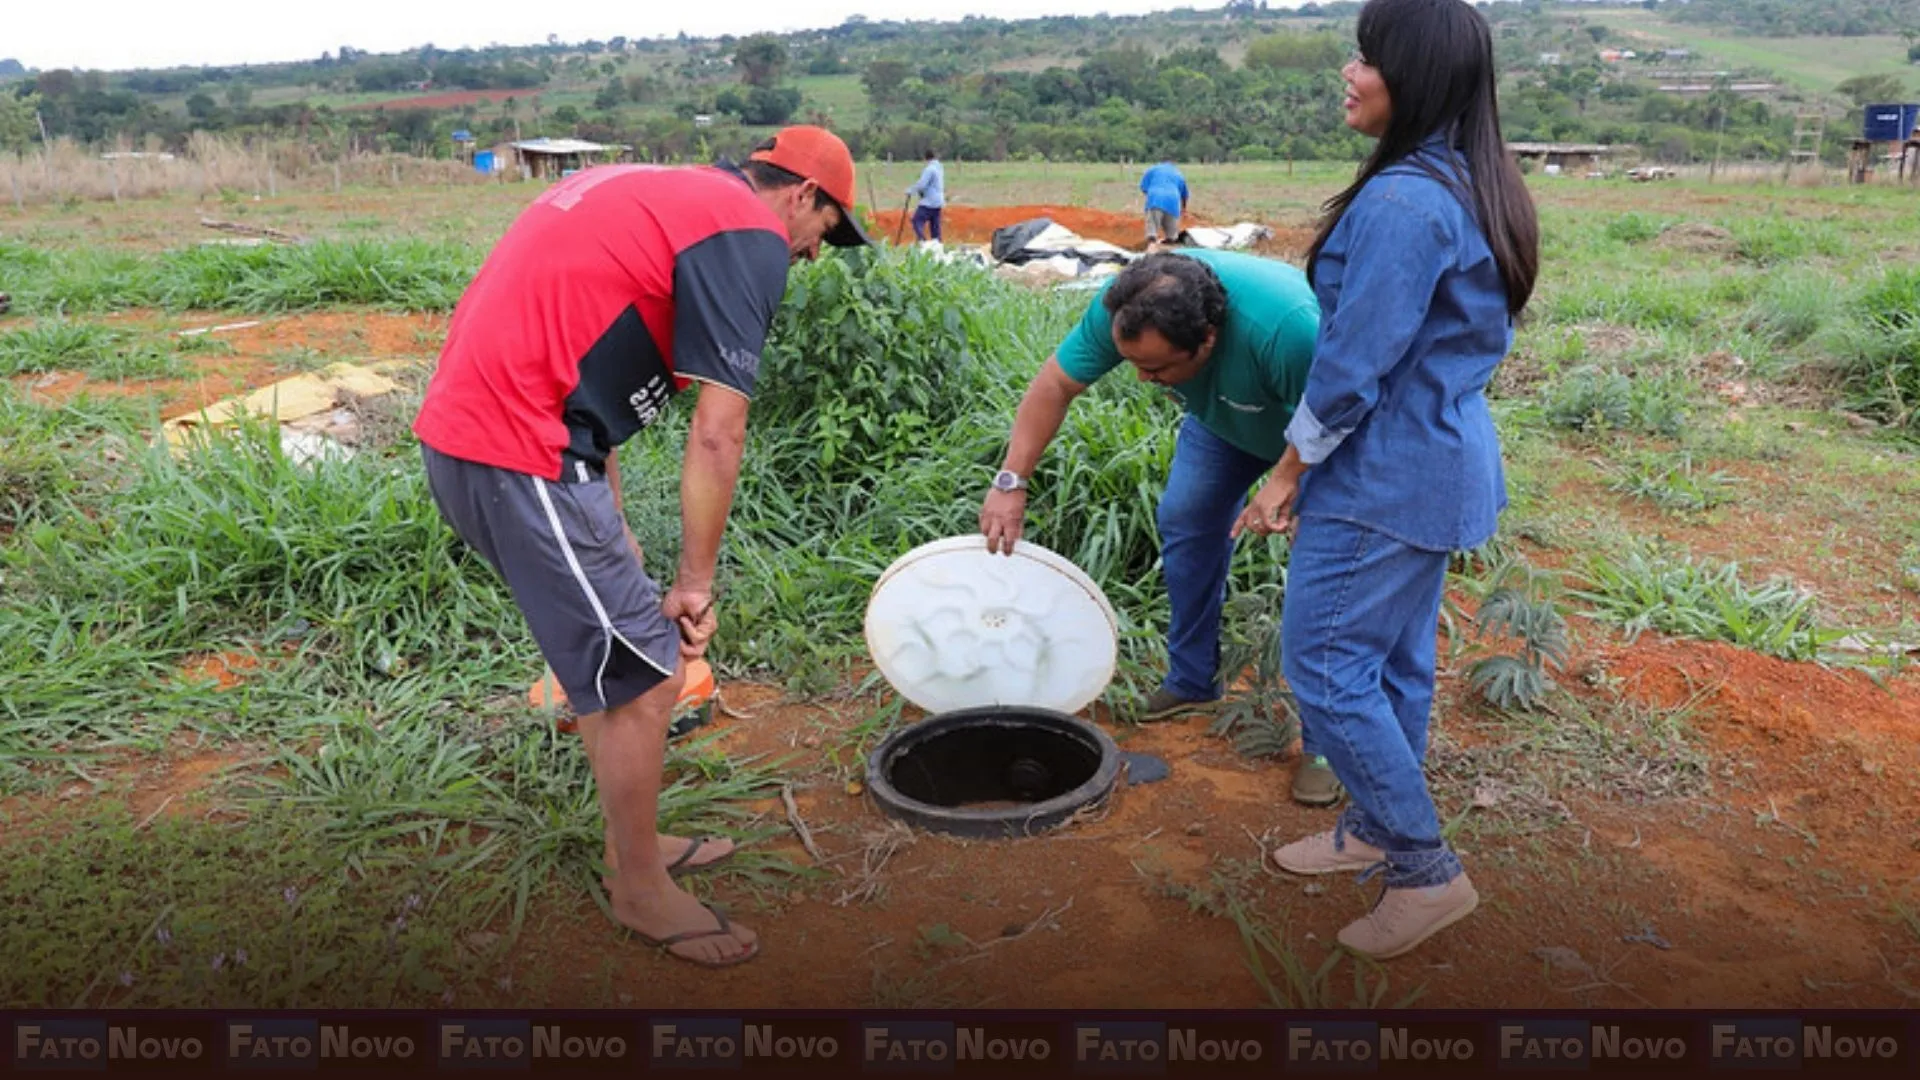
(685, 865)
(725, 929)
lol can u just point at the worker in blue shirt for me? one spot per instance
(1166, 192)
(932, 190)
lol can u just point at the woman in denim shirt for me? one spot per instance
(1421, 267)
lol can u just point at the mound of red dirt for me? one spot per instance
(1756, 700)
(976, 224)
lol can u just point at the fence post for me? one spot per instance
(273, 188)
(14, 175)
(113, 169)
(396, 172)
(336, 178)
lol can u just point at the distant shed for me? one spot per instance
(1578, 158)
(546, 159)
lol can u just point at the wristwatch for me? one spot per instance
(1008, 480)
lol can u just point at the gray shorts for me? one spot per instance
(563, 551)
(1165, 225)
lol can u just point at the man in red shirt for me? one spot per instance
(618, 287)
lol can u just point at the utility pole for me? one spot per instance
(1719, 135)
(46, 149)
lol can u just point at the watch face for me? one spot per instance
(1006, 481)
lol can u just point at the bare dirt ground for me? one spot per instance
(1786, 882)
(1773, 890)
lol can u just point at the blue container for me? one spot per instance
(1890, 123)
(483, 161)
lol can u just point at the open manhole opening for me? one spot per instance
(993, 771)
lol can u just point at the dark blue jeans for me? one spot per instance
(1205, 490)
(1357, 641)
(926, 219)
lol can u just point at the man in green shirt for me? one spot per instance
(1231, 336)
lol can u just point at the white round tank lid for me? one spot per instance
(952, 626)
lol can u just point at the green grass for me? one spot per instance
(1601, 400)
(61, 344)
(409, 275)
(1672, 483)
(1688, 597)
(1876, 350)
(841, 97)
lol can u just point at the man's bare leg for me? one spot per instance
(671, 847)
(626, 753)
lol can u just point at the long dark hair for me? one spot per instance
(1436, 57)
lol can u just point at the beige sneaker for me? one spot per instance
(1317, 855)
(1406, 917)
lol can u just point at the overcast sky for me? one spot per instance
(117, 34)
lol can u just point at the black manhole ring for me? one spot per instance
(1091, 747)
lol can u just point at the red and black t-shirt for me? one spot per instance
(617, 287)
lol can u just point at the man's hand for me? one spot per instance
(1271, 508)
(691, 611)
(1001, 519)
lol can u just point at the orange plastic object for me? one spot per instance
(546, 693)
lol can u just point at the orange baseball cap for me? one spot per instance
(816, 154)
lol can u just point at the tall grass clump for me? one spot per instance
(872, 359)
(1688, 597)
(247, 533)
(1646, 301)
(62, 345)
(1634, 228)
(236, 542)
(405, 274)
(1601, 400)
(1775, 239)
(1792, 306)
(1876, 348)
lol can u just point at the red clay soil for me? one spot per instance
(253, 355)
(225, 669)
(452, 99)
(1774, 890)
(976, 224)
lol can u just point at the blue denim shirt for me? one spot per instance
(1413, 320)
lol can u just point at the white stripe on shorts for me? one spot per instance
(593, 598)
